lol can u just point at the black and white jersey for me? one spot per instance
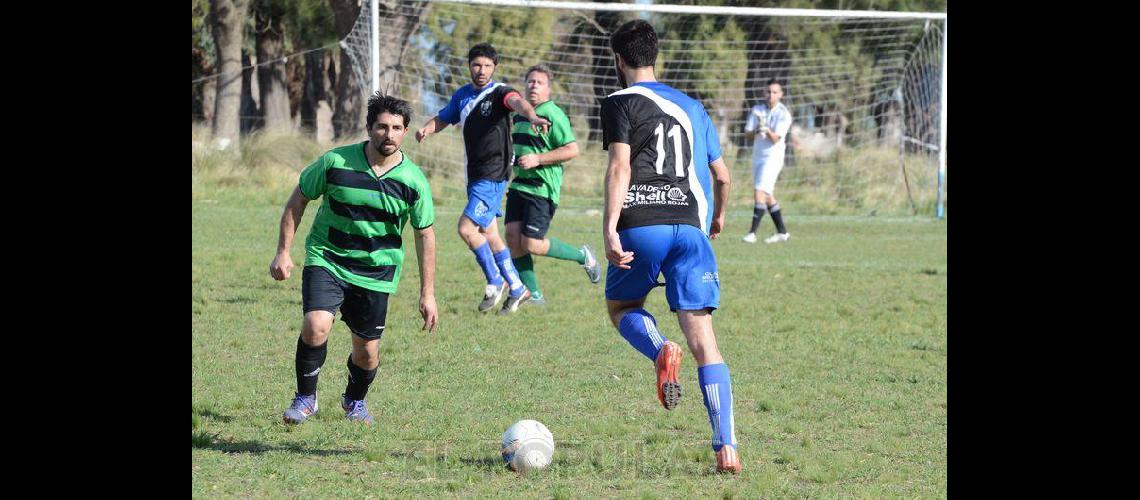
(484, 117)
(672, 142)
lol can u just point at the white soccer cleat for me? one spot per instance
(749, 238)
(778, 237)
(492, 296)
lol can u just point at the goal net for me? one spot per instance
(864, 89)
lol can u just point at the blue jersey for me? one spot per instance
(484, 116)
(672, 142)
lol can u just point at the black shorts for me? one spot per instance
(533, 211)
(364, 311)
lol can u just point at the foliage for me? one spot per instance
(521, 37)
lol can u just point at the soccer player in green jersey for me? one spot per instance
(354, 252)
(533, 195)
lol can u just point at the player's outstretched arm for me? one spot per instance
(720, 196)
(557, 155)
(425, 253)
(617, 184)
(435, 124)
(522, 107)
(282, 266)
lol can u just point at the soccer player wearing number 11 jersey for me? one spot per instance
(660, 212)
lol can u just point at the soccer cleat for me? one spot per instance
(668, 363)
(303, 407)
(749, 238)
(355, 410)
(727, 460)
(537, 299)
(593, 270)
(512, 303)
(778, 237)
(492, 296)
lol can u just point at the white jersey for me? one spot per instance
(779, 120)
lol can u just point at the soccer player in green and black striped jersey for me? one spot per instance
(534, 194)
(354, 252)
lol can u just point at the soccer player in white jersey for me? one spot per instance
(768, 123)
(661, 209)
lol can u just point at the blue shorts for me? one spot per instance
(484, 201)
(679, 251)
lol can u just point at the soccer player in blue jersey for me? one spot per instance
(483, 109)
(660, 212)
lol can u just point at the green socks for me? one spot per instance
(525, 266)
(560, 250)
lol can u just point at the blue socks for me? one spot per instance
(640, 329)
(487, 262)
(508, 271)
(716, 387)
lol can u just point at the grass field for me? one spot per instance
(836, 341)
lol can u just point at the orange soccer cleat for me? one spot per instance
(668, 362)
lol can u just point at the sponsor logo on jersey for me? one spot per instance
(485, 108)
(646, 194)
(713, 277)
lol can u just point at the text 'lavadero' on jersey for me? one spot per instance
(672, 142)
(485, 119)
(356, 234)
(544, 181)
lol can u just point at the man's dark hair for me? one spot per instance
(636, 43)
(775, 81)
(483, 50)
(380, 103)
(541, 68)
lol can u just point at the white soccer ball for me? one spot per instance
(527, 445)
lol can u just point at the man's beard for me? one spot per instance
(621, 77)
(380, 149)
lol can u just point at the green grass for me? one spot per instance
(836, 341)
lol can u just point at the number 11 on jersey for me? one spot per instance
(675, 134)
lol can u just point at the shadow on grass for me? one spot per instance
(484, 462)
(207, 441)
(201, 412)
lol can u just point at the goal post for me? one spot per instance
(866, 89)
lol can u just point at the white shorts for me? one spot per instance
(765, 171)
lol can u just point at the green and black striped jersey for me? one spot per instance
(357, 231)
(544, 181)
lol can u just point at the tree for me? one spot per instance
(269, 30)
(309, 24)
(227, 18)
(203, 58)
(399, 20)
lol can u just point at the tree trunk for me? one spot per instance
(398, 24)
(401, 22)
(227, 18)
(204, 91)
(316, 101)
(271, 78)
(295, 85)
(250, 113)
(348, 119)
